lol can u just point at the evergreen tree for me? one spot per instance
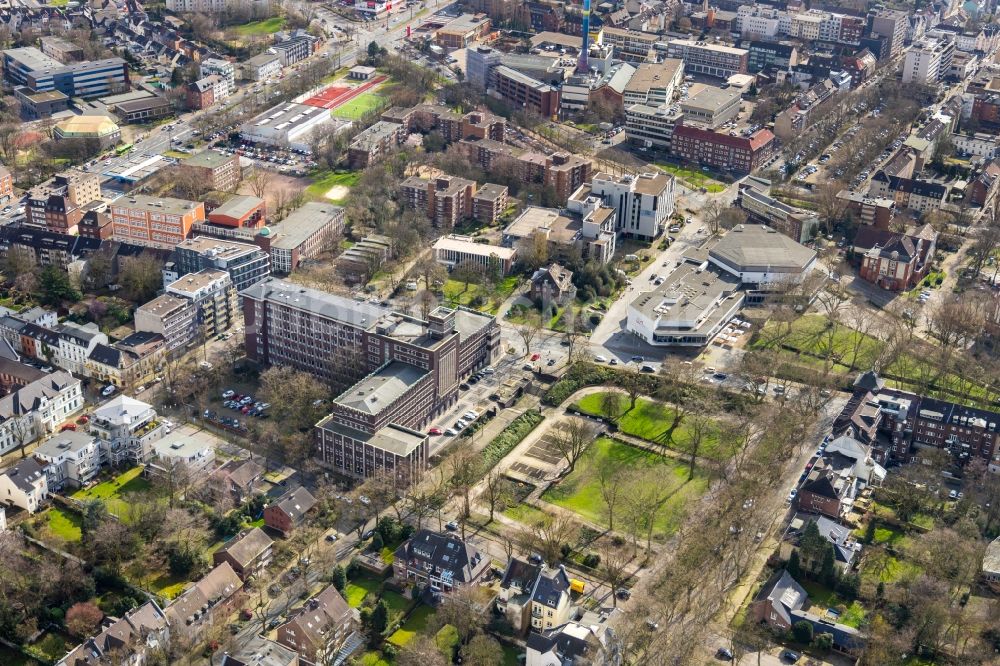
(338, 578)
(793, 568)
(379, 619)
(828, 572)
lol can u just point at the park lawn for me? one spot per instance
(580, 491)
(112, 491)
(358, 588)
(265, 27)
(359, 106)
(64, 524)
(652, 420)
(693, 178)
(456, 292)
(821, 597)
(325, 180)
(415, 624)
(525, 513)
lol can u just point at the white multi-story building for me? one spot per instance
(225, 70)
(72, 459)
(758, 21)
(25, 485)
(75, 344)
(127, 429)
(650, 126)
(212, 293)
(806, 26)
(642, 203)
(928, 62)
(38, 408)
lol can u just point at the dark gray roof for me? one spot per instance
(106, 355)
(338, 308)
(25, 474)
(443, 552)
(296, 503)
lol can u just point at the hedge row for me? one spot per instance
(508, 438)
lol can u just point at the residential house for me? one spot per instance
(38, 408)
(846, 549)
(319, 630)
(130, 362)
(124, 641)
(535, 597)
(782, 602)
(287, 512)
(72, 459)
(552, 284)
(25, 485)
(217, 595)
(441, 561)
(917, 195)
(75, 344)
(983, 189)
(846, 468)
(127, 428)
(249, 553)
(895, 261)
(572, 643)
(239, 478)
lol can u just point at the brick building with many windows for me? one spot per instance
(160, 222)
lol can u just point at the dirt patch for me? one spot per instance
(337, 192)
(279, 185)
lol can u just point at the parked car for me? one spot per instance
(451, 526)
(434, 431)
(108, 390)
(228, 394)
(724, 654)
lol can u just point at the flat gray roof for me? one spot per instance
(167, 205)
(755, 247)
(207, 158)
(64, 442)
(689, 300)
(392, 438)
(321, 303)
(302, 223)
(380, 389)
(711, 99)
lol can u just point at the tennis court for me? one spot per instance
(334, 96)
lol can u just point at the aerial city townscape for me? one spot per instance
(499, 332)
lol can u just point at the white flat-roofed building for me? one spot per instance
(642, 203)
(453, 250)
(653, 83)
(650, 126)
(289, 125)
(711, 107)
(187, 448)
(224, 69)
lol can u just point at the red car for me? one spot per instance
(67, 426)
(535, 357)
(434, 431)
(83, 420)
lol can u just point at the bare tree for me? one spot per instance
(529, 330)
(571, 439)
(259, 181)
(496, 492)
(614, 567)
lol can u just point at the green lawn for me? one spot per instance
(265, 27)
(652, 421)
(894, 570)
(65, 524)
(525, 513)
(112, 491)
(396, 603)
(325, 180)
(693, 178)
(361, 105)
(373, 659)
(476, 296)
(359, 587)
(511, 656)
(892, 537)
(415, 624)
(821, 597)
(581, 492)
(168, 585)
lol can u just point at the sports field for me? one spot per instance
(360, 105)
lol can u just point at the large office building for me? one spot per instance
(740, 154)
(307, 232)
(928, 62)
(524, 92)
(288, 125)
(698, 298)
(653, 83)
(38, 72)
(711, 107)
(407, 369)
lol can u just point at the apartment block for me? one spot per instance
(891, 24)
(653, 83)
(446, 200)
(370, 145)
(160, 222)
(489, 203)
(211, 293)
(928, 61)
(171, 316)
(642, 203)
(59, 204)
(245, 263)
(710, 59)
(215, 170)
(221, 68)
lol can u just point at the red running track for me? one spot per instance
(334, 96)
